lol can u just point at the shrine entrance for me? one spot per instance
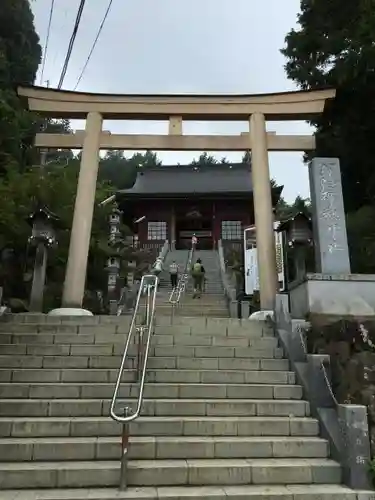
(202, 228)
(174, 109)
(194, 220)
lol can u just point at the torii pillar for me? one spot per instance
(264, 218)
(75, 277)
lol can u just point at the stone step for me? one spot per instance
(262, 351)
(189, 308)
(188, 299)
(195, 363)
(203, 311)
(201, 314)
(244, 492)
(159, 426)
(150, 448)
(214, 326)
(43, 320)
(116, 348)
(160, 407)
(169, 472)
(180, 376)
(64, 390)
(164, 335)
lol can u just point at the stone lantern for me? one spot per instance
(43, 224)
(298, 232)
(114, 224)
(113, 268)
(113, 262)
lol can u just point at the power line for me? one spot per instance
(94, 44)
(71, 43)
(47, 40)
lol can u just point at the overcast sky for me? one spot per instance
(179, 46)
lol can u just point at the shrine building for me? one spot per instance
(174, 202)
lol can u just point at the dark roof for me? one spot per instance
(179, 180)
(284, 225)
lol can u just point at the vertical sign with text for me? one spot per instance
(330, 239)
(251, 260)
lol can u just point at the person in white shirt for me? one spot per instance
(194, 241)
(173, 271)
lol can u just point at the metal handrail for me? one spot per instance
(148, 287)
(322, 367)
(179, 290)
(156, 268)
(229, 291)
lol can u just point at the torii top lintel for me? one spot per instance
(296, 105)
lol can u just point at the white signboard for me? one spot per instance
(251, 260)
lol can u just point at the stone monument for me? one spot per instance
(333, 291)
(331, 244)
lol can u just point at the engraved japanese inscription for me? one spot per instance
(332, 255)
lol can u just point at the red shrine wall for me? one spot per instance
(201, 216)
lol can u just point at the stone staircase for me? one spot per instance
(222, 416)
(212, 302)
(180, 257)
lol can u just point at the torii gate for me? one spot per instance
(254, 109)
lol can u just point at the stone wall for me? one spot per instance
(351, 345)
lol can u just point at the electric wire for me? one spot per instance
(94, 44)
(71, 43)
(47, 40)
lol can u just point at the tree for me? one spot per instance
(285, 210)
(361, 236)
(246, 159)
(56, 188)
(118, 170)
(58, 157)
(334, 47)
(122, 172)
(204, 159)
(20, 54)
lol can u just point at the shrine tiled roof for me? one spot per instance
(179, 180)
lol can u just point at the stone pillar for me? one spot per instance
(355, 453)
(39, 278)
(331, 244)
(173, 229)
(75, 276)
(263, 213)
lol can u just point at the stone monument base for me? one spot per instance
(70, 311)
(348, 295)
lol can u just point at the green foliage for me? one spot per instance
(285, 211)
(204, 159)
(372, 471)
(20, 54)
(19, 194)
(122, 172)
(361, 236)
(59, 157)
(246, 158)
(334, 47)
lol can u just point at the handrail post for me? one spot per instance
(124, 452)
(173, 313)
(141, 332)
(175, 295)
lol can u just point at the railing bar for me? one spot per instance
(131, 417)
(124, 453)
(147, 350)
(123, 360)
